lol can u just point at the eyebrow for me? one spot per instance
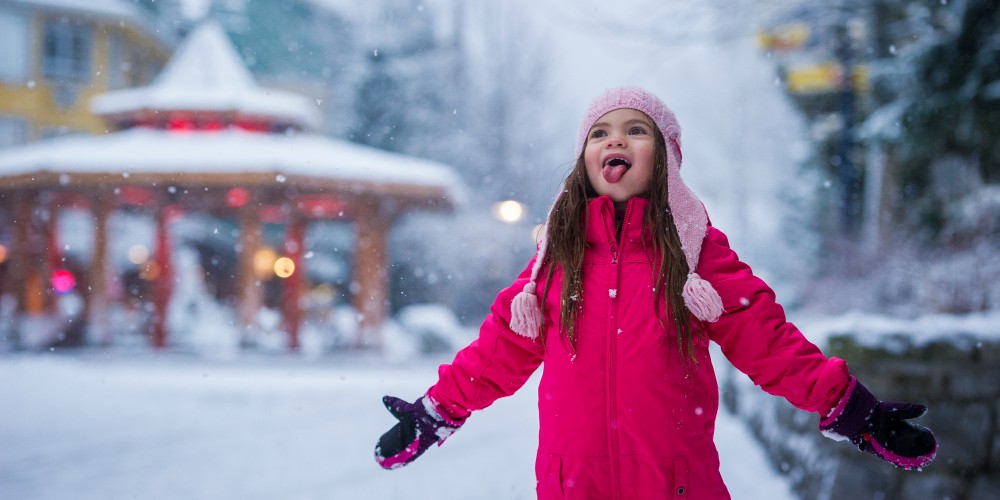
(627, 122)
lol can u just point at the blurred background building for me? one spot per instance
(848, 148)
(58, 55)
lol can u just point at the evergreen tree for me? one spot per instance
(380, 108)
(273, 38)
(952, 117)
(401, 99)
(297, 45)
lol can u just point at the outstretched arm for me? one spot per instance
(494, 365)
(756, 338)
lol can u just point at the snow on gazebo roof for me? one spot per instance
(229, 157)
(207, 74)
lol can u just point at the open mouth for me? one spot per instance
(618, 162)
(614, 168)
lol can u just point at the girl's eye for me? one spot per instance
(637, 130)
(598, 134)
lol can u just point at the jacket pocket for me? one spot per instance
(548, 473)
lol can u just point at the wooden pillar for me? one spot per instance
(99, 331)
(27, 261)
(53, 250)
(163, 284)
(249, 293)
(371, 271)
(292, 284)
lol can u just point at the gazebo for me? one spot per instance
(205, 137)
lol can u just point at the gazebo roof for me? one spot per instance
(311, 162)
(206, 74)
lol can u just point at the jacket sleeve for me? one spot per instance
(494, 365)
(756, 338)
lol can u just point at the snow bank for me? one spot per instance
(873, 329)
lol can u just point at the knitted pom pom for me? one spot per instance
(525, 316)
(701, 299)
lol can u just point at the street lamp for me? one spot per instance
(508, 211)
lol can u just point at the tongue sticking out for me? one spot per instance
(614, 170)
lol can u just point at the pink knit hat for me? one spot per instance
(688, 212)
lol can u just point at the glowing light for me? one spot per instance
(150, 271)
(237, 197)
(263, 262)
(62, 281)
(322, 294)
(509, 211)
(180, 124)
(3, 254)
(284, 267)
(138, 254)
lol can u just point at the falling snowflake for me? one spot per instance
(613, 292)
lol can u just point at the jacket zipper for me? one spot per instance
(612, 401)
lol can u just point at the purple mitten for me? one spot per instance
(881, 428)
(421, 424)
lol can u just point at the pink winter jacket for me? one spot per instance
(621, 419)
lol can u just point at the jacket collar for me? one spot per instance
(601, 229)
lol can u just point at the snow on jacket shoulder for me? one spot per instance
(622, 415)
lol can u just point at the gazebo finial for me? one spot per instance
(207, 75)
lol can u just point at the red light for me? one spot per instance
(237, 197)
(213, 125)
(179, 125)
(62, 281)
(181, 122)
(253, 125)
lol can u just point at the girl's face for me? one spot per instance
(619, 154)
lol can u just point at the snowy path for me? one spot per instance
(164, 427)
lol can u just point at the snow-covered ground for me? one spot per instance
(111, 425)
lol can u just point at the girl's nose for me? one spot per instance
(616, 142)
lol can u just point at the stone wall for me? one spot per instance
(957, 378)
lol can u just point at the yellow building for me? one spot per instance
(55, 55)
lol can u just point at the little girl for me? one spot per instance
(629, 285)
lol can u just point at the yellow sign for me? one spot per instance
(784, 38)
(824, 77)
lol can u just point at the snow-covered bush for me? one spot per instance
(434, 327)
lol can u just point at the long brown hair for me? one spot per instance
(567, 243)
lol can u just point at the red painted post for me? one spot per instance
(163, 284)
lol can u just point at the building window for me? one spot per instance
(68, 47)
(14, 40)
(13, 131)
(117, 66)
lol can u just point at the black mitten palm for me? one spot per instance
(881, 428)
(421, 424)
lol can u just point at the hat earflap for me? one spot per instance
(691, 222)
(525, 314)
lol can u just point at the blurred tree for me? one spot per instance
(405, 96)
(463, 86)
(275, 37)
(951, 113)
(298, 45)
(380, 107)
